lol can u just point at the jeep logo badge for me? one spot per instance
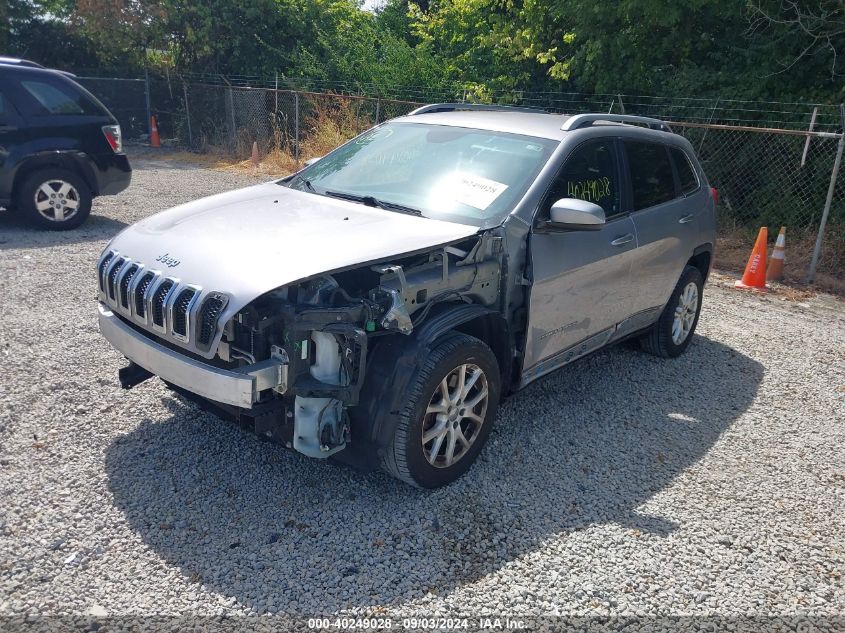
(168, 261)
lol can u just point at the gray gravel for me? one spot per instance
(713, 484)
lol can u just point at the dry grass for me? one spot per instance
(734, 247)
(329, 124)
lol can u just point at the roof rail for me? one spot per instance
(451, 107)
(16, 61)
(581, 120)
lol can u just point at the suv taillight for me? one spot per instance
(714, 193)
(113, 136)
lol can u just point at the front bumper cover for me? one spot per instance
(240, 388)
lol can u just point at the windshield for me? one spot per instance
(448, 173)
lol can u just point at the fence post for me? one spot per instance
(296, 127)
(709, 121)
(807, 140)
(230, 102)
(378, 108)
(811, 274)
(188, 115)
(147, 99)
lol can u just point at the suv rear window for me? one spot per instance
(58, 98)
(652, 180)
(686, 175)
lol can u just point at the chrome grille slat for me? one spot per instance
(139, 295)
(123, 287)
(208, 316)
(111, 278)
(102, 267)
(180, 312)
(157, 304)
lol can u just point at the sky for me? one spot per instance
(372, 5)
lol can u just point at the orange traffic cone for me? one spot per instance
(255, 154)
(155, 140)
(775, 270)
(755, 270)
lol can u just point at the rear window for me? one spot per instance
(652, 180)
(58, 98)
(686, 174)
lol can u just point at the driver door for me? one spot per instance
(581, 280)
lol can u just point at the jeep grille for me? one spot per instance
(165, 305)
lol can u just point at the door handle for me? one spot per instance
(687, 218)
(8, 128)
(619, 241)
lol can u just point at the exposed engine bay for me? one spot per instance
(320, 331)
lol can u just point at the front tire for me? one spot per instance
(448, 415)
(54, 199)
(673, 332)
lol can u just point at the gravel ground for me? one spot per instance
(712, 484)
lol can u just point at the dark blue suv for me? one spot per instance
(59, 146)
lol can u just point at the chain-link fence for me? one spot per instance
(765, 175)
(768, 177)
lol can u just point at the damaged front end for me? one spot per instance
(299, 353)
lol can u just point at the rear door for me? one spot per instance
(665, 216)
(580, 279)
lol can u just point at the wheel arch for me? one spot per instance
(702, 259)
(394, 361)
(77, 162)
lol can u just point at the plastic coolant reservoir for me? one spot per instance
(308, 411)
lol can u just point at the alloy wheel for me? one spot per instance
(455, 414)
(685, 313)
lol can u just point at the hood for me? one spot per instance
(250, 241)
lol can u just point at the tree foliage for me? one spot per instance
(756, 49)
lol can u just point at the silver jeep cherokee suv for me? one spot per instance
(377, 305)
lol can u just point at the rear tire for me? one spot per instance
(673, 332)
(54, 199)
(448, 414)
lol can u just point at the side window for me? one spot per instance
(652, 180)
(686, 174)
(55, 98)
(588, 174)
(8, 114)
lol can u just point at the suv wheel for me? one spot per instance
(672, 333)
(54, 199)
(452, 401)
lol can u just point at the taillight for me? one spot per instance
(714, 193)
(113, 136)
